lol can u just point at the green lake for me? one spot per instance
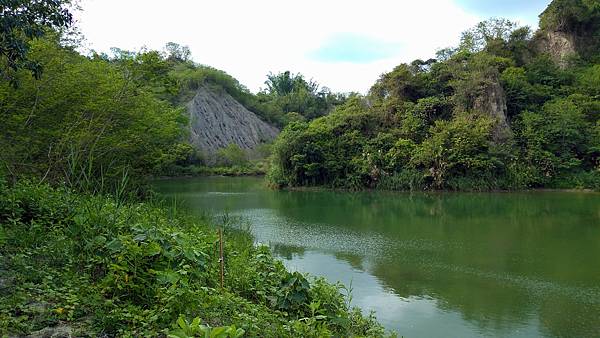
(432, 265)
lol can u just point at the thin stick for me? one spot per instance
(221, 260)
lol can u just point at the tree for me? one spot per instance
(24, 20)
(492, 35)
(555, 139)
(580, 16)
(285, 83)
(289, 92)
(456, 148)
(83, 120)
(232, 155)
(178, 53)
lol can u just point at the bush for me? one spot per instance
(103, 266)
(232, 155)
(405, 180)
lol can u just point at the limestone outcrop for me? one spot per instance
(559, 45)
(492, 102)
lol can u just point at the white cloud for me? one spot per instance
(248, 39)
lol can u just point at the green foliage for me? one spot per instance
(253, 168)
(492, 113)
(321, 152)
(554, 140)
(457, 148)
(287, 92)
(195, 329)
(589, 80)
(97, 122)
(571, 15)
(20, 22)
(492, 35)
(580, 18)
(232, 155)
(134, 269)
(520, 94)
(149, 69)
(85, 122)
(293, 293)
(229, 161)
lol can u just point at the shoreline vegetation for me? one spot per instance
(86, 248)
(506, 109)
(92, 266)
(533, 190)
(226, 172)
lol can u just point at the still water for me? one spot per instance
(433, 265)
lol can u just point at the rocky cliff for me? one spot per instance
(569, 29)
(492, 102)
(559, 45)
(217, 120)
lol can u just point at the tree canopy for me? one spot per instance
(24, 20)
(491, 113)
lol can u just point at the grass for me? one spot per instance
(101, 266)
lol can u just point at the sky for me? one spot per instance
(342, 44)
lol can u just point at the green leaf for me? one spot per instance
(177, 334)
(167, 277)
(115, 245)
(196, 323)
(218, 332)
(182, 323)
(238, 333)
(140, 237)
(152, 249)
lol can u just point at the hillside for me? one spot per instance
(86, 248)
(506, 109)
(218, 120)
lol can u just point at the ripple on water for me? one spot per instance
(269, 227)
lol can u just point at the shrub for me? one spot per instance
(105, 266)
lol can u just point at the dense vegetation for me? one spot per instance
(85, 249)
(99, 266)
(87, 117)
(21, 21)
(175, 77)
(500, 111)
(83, 120)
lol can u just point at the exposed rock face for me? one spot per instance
(217, 120)
(559, 45)
(492, 102)
(60, 331)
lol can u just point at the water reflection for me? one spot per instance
(514, 265)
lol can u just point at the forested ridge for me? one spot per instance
(506, 109)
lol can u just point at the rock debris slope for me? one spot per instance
(217, 120)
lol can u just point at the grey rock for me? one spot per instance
(492, 102)
(61, 331)
(561, 46)
(217, 120)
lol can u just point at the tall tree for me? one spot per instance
(22, 21)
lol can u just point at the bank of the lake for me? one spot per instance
(206, 171)
(516, 264)
(73, 264)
